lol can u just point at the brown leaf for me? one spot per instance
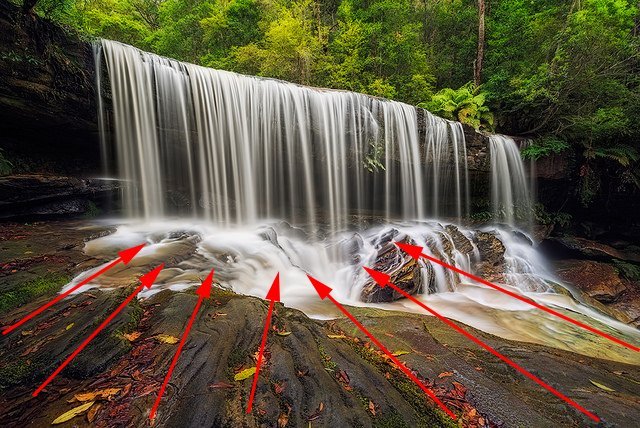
(104, 394)
(93, 411)
(279, 387)
(343, 377)
(315, 415)
(302, 373)
(372, 408)
(126, 390)
(445, 374)
(283, 420)
(132, 336)
(220, 385)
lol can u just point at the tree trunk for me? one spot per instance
(28, 6)
(477, 72)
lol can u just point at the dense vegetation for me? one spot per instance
(563, 72)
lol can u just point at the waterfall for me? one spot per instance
(235, 150)
(510, 192)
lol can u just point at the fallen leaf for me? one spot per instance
(372, 408)
(91, 414)
(126, 390)
(302, 373)
(445, 374)
(166, 338)
(279, 387)
(283, 333)
(220, 385)
(76, 411)
(601, 386)
(69, 326)
(245, 374)
(132, 336)
(336, 336)
(399, 353)
(105, 394)
(317, 413)
(283, 420)
(26, 332)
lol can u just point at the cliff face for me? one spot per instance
(47, 99)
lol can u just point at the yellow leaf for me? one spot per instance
(69, 326)
(245, 374)
(283, 333)
(26, 332)
(105, 394)
(336, 336)
(398, 353)
(601, 386)
(132, 336)
(76, 411)
(165, 338)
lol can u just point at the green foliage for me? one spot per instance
(466, 105)
(373, 161)
(6, 167)
(628, 270)
(544, 217)
(544, 146)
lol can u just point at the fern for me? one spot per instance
(466, 105)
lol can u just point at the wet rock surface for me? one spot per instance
(597, 280)
(45, 196)
(405, 272)
(491, 265)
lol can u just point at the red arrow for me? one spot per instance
(416, 252)
(204, 291)
(325, 292)
(147, 281)
(273, 296)
(125, 257)
(384, 280)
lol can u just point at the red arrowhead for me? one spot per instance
(149, 278)
(413, 250)
(204, 291)
(323, 290)
(127, 255)
(381, 278)
(274, 291)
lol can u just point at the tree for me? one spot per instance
(477, 72)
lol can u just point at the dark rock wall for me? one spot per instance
(47, 100)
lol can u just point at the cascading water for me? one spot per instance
(235, 149)
(254, 176)
(510, 190)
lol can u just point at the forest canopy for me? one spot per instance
(565, 73)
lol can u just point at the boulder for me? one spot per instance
(597, 280)
(491, 263)
(405, 272)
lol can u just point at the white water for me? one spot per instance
(510, 190)
(232, 156)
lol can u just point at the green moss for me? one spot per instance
(14, 373)
(428, 414)
(28, 291)
(92, 210)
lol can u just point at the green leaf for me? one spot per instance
(244, 374)
(601, 386)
